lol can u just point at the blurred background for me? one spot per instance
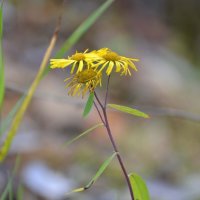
(164, 150)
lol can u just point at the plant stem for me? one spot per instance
(107, 126)
(118, 155)
(100, 115)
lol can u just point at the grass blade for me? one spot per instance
(97, 175)
(20, 113)
(83, 134)
(8, 189)
(129, 110)
(2, 80)
(20, 192)
(7, 121)
(10, 194)
(139, 187)
(78, 33)
(88, 105)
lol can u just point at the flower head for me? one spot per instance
(86, 68)
(86, 80)
(111, 60)
(78, 60)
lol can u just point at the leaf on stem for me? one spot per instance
(83, 134)
(96, 176)
(139, 187)
(88, 105)
(129, 110)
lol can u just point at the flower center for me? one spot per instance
(86, 75)
(111, 56)
(78, 56)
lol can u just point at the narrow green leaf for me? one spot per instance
(20, 192)
(10, 194)
(2, 79)
(7, 121)
(77, 190)
(8, 189)
(139, 187)
(78, 33)
(129, 110)
(88, 105)
(83, 134)
(96, 176)
(101, 170)
(20, 113)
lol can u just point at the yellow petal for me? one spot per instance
(110, 67)
(80, 67)
(60, 63)
(73, 67)
(118, 67)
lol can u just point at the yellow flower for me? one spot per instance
(110, 60)
(79, 60)
(86, 80)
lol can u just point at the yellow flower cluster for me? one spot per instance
(87, 68)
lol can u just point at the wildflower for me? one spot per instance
(79, 60)
(86, 80)
(110, 60)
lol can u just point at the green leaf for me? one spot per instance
(7, 121)
(129, 110)
(23, 107)
(78, 33)
(8, 191)
(83, 134)
(20, 192)
(139, 187)
(2, 79)
(88, 105)
(96, 176)
(10, 194)
(101, 170)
